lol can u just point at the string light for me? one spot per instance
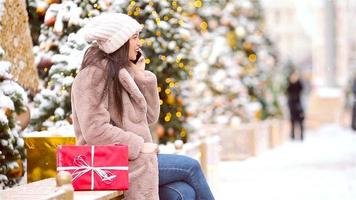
(160, 102)
(171, 84)
(181, 22)
(148, 61)
(181, 65)
(158, 33)
(179, 9)
(183, 133)
(198, 4)
(204, 26)
(168, 117)
(159, 89)
(178, 114)
(168, 80)
(252, 57)
(167, 91)
(158, 21)
(163, 58)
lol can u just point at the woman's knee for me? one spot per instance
(193, 164)
(177, 191)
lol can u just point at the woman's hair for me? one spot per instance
(115, 61)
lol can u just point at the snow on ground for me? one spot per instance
(323, 167)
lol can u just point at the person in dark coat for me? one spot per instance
(353, 121)
(294, 92)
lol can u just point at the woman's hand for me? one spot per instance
(149, 148)
(139, 67)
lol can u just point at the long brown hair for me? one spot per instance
(114, 63)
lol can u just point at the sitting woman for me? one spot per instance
(114, 99)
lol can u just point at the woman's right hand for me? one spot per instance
(149, 148)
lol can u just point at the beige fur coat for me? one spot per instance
(141, 107)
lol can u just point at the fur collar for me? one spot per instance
(127, 80)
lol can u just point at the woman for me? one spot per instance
(294, 93)
(114, 101)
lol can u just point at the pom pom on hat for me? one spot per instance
(111, 30)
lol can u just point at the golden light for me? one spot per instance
(174, 4)
(179, 114)
(252, 57)
(178, 58)
(148, 61)
(160, 102)
(158, 20)
(163, 58)
(183, 133)
(167, 91)
(181, 22)
(167, 119)
(171, 84)
(198, 4)
(204, 25)
(159, 89)
(179, 9)
(158, 33)
(142, 41)
(168, 80)
(181, 65)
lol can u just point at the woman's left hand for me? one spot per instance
(139, 67)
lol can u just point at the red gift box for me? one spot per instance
(95, 167)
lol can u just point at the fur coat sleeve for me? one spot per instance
(148, 87)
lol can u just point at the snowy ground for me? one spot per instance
(323, 167)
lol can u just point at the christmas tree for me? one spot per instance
(232, 81)
(166, 43)
(13, 101)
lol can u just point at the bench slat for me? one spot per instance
(45, 189)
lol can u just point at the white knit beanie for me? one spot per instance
(111, 30)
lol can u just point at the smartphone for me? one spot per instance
(138, 56)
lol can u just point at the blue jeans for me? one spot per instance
(181, 178)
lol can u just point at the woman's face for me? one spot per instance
(135, 46)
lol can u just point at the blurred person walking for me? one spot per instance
(353, 120)
(294, 93)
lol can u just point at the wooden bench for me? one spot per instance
(47, 189)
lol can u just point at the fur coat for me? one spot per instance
(96, 122)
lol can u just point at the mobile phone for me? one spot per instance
(138, 56)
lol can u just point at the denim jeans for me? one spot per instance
(181, 178)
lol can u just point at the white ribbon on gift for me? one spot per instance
(81, 167)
